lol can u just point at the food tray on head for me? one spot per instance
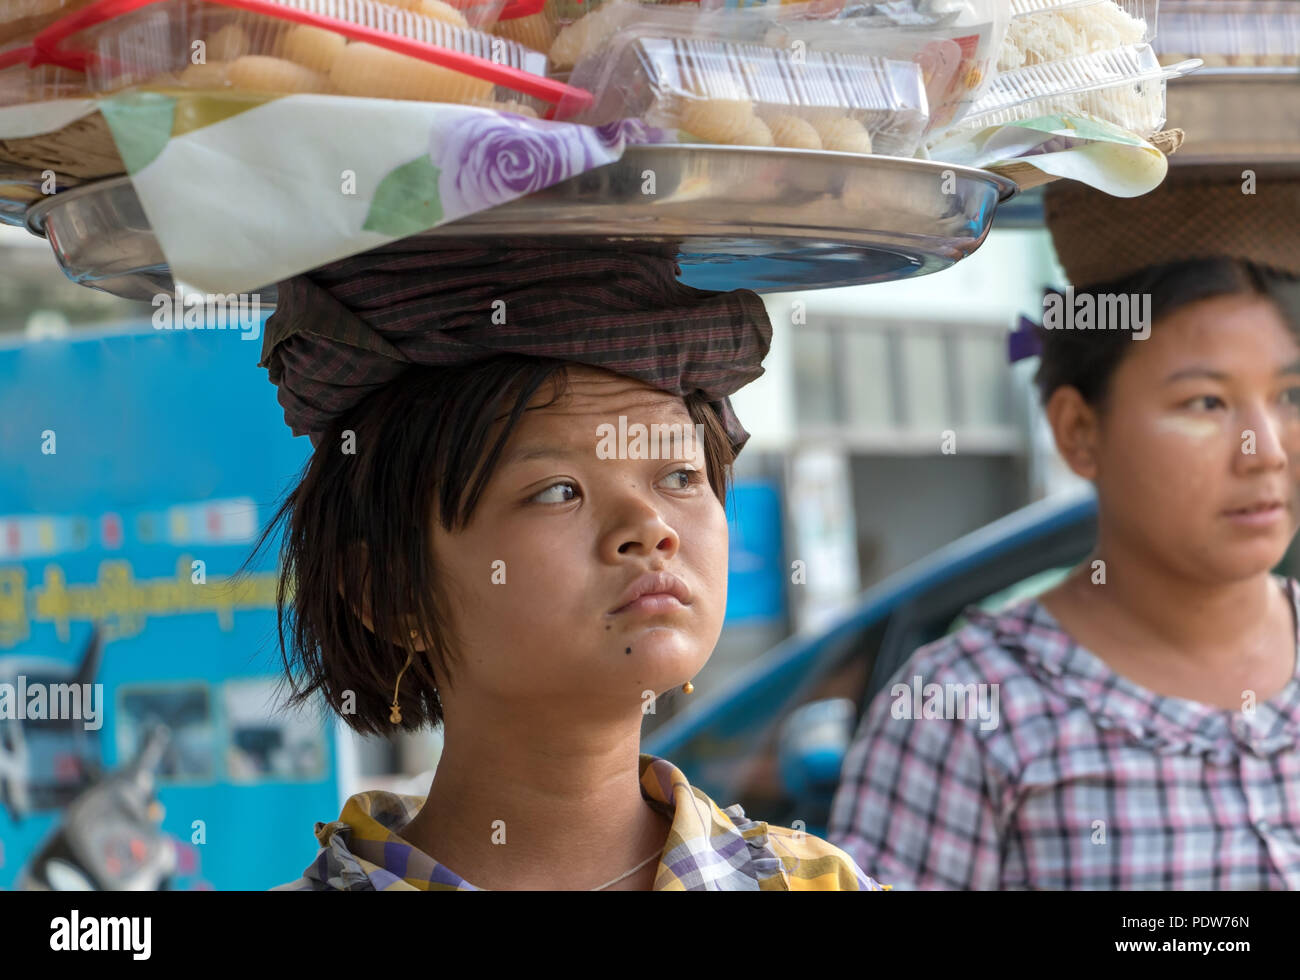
(765, 219)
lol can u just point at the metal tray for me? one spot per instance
(763, 219)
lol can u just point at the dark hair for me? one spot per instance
(356, 525)
(1087, 359)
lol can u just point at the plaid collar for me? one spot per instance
(1164, 724)
(708, 848)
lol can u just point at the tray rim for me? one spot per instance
(33, 218)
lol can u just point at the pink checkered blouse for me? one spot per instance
(1087, 780)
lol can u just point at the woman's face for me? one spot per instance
(561, 532)
(1202, 423)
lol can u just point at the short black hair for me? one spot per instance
(1087, 359)
(355, 527)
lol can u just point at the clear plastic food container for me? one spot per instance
(338, 47)
(1125, 87)
(21, 83)
(957, 55)
(1231, 33)
(1050, 30)
(534, 29)
(579, 28)
(19, 19)
(753, 95)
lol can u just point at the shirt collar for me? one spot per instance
(1166, 724)
(708, 848)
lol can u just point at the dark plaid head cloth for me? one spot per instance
(345, 329)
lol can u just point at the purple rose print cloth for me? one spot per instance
(242, 192)
(486, 159)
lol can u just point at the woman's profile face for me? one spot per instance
(1202, 424)
(536, 578)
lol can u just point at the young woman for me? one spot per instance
(486, 540)
(1149, 731)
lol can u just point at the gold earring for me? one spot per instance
(395, 715)
(688, 687)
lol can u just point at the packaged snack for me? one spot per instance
(344, 47)
(750, 94)
(478, 14)
(1049, 30)
(535, 31)
(955, 42)
(576, 37)
(1125, 87)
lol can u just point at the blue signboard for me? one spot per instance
(756, 578)
(139, 468)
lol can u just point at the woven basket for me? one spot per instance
(83, 148)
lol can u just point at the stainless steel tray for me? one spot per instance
(763, 219)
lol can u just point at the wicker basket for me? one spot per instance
(83, 149)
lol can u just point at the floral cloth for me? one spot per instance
(708, 849)
(1087, 781)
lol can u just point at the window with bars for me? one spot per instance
(896, 385)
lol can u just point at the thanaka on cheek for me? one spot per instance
(1188, 428)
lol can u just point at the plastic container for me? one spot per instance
(1231, 33)
(539, 29)
(576, 35)
(914, 12)
(342, 47)
(740, 94)
(1125, 87)
(536, 30)
(1050, 30)
(957, 57)
(20, 19)
(21, 83)
(480, 15)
